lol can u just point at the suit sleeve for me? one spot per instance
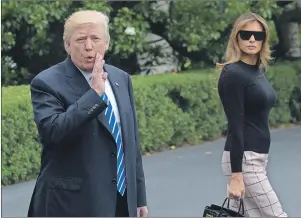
(231, 88)
(56, 123)
(141, 190)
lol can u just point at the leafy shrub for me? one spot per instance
(173, 109)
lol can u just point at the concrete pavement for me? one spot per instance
(183, 181)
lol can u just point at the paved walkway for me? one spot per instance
(183, 181)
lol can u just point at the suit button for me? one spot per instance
(113, 154)
(114, 181)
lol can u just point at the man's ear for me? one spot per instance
(107, 45)
(67, 47)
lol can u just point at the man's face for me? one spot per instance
(85, 41)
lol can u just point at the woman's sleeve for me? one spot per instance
(231, 89)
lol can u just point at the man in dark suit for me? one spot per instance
(85, 113)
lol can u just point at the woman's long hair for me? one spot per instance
(233, 52)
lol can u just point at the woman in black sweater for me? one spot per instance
(247, 98)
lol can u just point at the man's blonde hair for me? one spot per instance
(82, 17)
(233, 52)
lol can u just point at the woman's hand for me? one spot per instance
(236, 189)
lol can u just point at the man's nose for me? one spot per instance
(88, 44)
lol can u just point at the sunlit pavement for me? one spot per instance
(182, 182)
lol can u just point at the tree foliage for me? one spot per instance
(197, 31)
(27, 36)
(32, 35)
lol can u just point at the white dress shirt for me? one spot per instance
(109, 93)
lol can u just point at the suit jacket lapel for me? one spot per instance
(75, 78)
(116, 84)
(103, 120)
(80, 85)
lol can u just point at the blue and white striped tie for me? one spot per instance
(121, 183)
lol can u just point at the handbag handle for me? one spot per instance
(241, 206)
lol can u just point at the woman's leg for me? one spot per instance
(260, 199)
(250, 208)
(258, 187)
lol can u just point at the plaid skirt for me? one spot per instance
(260, 199)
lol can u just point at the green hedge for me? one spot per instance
(172, 110)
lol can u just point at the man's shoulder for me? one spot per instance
(51, 72)
(114, 69)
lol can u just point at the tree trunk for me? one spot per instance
(287, 27)
(289, 44)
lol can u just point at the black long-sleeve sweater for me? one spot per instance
(247, 98)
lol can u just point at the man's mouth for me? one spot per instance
(90, 58)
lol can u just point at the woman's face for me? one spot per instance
(251, 37)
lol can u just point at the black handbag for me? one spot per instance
(221, 211)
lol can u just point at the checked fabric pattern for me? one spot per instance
(260, 199)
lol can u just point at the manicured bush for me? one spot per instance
(172, 109)
(283, 79)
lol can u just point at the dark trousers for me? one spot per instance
(122, 206)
